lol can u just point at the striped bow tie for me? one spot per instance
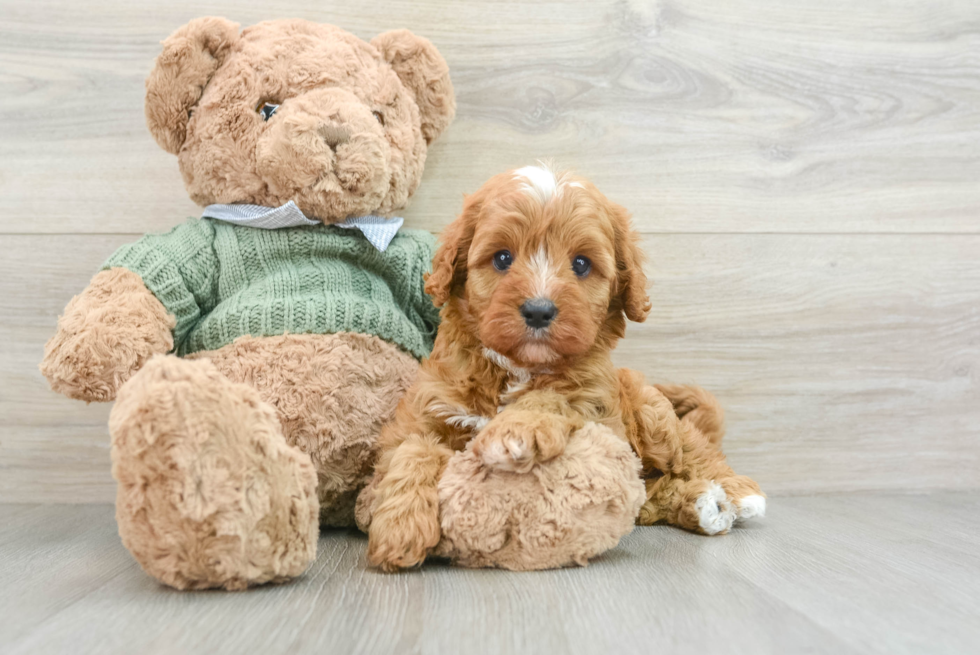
(378, 230)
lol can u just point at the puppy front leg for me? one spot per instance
(533, 429)
(405, 519)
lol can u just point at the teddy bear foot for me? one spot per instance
(209, 492)
(562, 512)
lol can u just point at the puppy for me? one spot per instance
(536, 279)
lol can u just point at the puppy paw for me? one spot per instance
(750, 507)
(517, 440)
(715, 511)
(401, 539)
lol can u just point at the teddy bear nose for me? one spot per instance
(539, 312)
(334, 135)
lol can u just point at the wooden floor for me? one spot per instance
(870, 573)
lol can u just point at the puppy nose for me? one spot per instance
(334, 135)
(539, 312)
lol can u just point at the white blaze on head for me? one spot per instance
(543, 274)
(540, 182)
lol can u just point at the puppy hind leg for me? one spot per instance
(404, 522)
(746, 495)
(698, 505)
(698, 407)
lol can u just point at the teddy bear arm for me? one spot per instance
(106, 333)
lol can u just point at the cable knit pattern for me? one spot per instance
(224, 281)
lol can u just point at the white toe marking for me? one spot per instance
(715, 512)
(751, 507)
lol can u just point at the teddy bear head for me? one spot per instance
(293, 110)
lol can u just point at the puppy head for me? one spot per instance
(542, 267)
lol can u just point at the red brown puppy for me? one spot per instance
(536, 279)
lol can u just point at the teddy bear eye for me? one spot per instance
(581, 266)
(266, 109)
(502, 260)
(380, 117)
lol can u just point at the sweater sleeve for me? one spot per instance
(179, 267)
(427, 311)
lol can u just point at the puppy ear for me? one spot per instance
(190, 57)
(424, 73)
(451, 258)
(631, 281)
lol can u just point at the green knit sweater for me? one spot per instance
(223, 281)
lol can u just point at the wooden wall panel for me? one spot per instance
(844, 362)
(805, 176)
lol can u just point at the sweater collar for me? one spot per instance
(378, 230)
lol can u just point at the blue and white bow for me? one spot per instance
(377, 229)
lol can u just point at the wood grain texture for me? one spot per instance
(845, 362)
(805, 175)
(699, 116)
(874, 573)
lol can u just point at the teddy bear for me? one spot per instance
(255, 352)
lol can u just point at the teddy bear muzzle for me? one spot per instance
(327, 151)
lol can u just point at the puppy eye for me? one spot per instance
(581, 266)
(380, 117)
(266, 109)
(502, 260)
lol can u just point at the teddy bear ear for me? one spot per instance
(190, 57)
(425, 73)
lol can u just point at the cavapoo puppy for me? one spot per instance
(536, 279)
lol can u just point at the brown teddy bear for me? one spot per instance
(294, 309)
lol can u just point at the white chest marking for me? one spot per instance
(458, 417)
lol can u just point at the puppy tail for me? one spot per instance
(698, 407)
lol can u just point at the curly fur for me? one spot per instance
(209, 493)
(513, 395)
(228, 462)
(565, 512)
(353, 126)
(105, 334)
(221, 457)
(331, 393)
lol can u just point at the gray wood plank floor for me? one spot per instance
(870, 573)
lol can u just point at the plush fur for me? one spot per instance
(228, 461)
(332, 393)
(563, 512)
(107, 333)
(209, 493)
(351, 132)
(513, 395)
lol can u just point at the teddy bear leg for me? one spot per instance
(209, 492)
(332, 393)
(404, 517)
